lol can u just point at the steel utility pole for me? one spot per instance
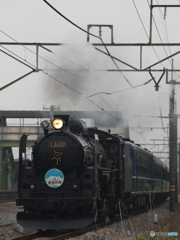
(172, 148)
(178, 169)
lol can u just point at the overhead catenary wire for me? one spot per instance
(159, 36)
(140, 18)
(145, 30)
(164, 27)
(65, 84)
(156, 29)
(118, 120)
(158, 32)
(129, 88)
(55, 65)
(94, 36)
(91, 35)
(165, 31)
(106, 103)
(44, 71)
(69, 73)
(50, 63)
(18, 56)
(120, 90)
(141, 135)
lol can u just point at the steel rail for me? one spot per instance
(28, 236)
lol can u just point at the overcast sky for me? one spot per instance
(77, 63)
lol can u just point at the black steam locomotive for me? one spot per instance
(78, 176)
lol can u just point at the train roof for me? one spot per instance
(134, 146)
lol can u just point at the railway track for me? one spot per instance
(55, 235)
(29, 236)
(60, 236)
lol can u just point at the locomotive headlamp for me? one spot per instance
(57, 123)
(44, 124)
(32, 187)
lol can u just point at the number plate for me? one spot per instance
(57, 144)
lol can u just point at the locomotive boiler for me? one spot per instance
(73, 179)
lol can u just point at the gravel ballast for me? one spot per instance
(127, 229)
